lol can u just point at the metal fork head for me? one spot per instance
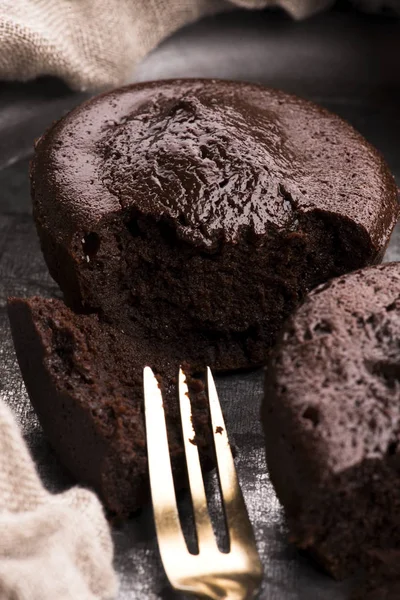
(234, 575)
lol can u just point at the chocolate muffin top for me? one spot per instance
(218, 157)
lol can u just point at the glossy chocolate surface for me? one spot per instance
(218, 157)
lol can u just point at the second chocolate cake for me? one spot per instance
(331, 416)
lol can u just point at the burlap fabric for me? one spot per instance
(95, 44)
(52, 546)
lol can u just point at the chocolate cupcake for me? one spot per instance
(331, 416)
(206, 206)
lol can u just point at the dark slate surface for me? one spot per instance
(346, 62)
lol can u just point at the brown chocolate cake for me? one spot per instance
(331, 416)
(206, 206)
(85, 380)
(184, 220)
(383, 577)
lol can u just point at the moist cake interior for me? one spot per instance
(86, 383)
(233, 298)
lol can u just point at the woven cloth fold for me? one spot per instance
(95, 44)
(51, 546)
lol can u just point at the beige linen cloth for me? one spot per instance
(52, 547)
(95, 44)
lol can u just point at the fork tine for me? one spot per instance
(238, 523)
(166, 517)
(204, 530)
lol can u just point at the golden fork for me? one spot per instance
(235, 575)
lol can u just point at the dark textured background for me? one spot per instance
(349, 63)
